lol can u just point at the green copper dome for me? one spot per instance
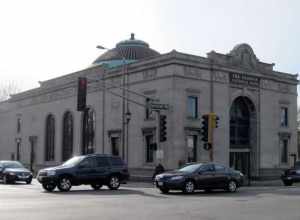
(126, 51)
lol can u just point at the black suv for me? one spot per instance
(291, 175)
(94, 169)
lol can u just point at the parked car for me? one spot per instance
(291, 175)
(94, 169)
(11, 171)
(205, 176)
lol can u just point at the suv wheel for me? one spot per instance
(287, 183)
(164, 190)
(5, 180)
(114, 182)
(189, 186)
(49, 186)
(28, 181)
(231, 187)
(64, 184)
(96, 186)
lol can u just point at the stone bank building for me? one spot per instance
(257, 107)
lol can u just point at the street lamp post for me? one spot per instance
(128, 117)
(125, 104)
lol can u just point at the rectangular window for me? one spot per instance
(192, 107)
(284, 117)
(18, 125)
(147, 111)
(115, 146)
(149, 148)
(284, 151)
(192, 148)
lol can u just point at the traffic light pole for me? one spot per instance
(211, 151)
(158, 155)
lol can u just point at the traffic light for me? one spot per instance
(162, 128)
(204, 128)
(214, 120)
(81, 93)
(217, 121)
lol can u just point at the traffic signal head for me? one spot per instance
(214, 120)
(81, 93)
(162, 128)
(217, 121)
(204, 128)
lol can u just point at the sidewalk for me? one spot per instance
(276, 182)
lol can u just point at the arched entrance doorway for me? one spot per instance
(243, 127)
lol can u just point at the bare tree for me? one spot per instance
(7, 89)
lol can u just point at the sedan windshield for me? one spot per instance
(73, 161)
(190, 168)
(12, 164)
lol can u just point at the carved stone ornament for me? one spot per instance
(282, 87)
(192, 72)
(150, 74)
(243, 55)
(220, 77)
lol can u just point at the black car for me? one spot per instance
(94, 169)
(11, 171)
(205, 176)
(291, 175)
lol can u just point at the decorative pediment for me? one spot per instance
(243, 55)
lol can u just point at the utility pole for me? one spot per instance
(211, 151)
(159, 154)
(123, 109)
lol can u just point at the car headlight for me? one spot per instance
(11, 174)
(241, 174)
(50, 172)
(176, 178)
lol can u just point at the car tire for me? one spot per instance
(114, 182)
(164, 190)
(49, 187)
(231, 186)
(5, 180)
(287, 183)
(64, 184)
(96, 186)
(28, 181)
(189, 186)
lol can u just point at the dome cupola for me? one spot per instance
(126, 51)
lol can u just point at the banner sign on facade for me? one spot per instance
(243, 79)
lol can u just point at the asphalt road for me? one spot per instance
(142, 201)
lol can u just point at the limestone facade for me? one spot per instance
(216, 81)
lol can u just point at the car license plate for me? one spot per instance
(159, 183)
(23, 177)
(289, 178)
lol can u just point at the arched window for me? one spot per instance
(50, 138)
(240, 122)
(67, 144)
(88, 131)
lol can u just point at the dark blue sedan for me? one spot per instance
(206, 176)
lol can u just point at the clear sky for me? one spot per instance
(40, 40)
